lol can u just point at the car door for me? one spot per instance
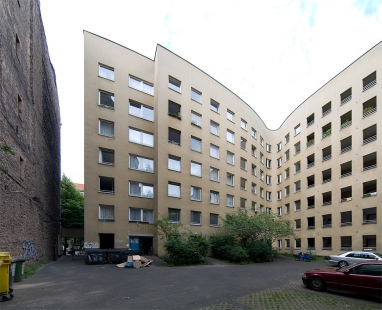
(354, 258)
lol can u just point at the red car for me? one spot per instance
(364, 278)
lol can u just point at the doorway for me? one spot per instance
(106, 241)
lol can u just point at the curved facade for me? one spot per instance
(162, 136)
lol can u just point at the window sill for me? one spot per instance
(140, 170)
(105, 78)
(141, 196)
(106, 106)
(152, 95)
(173, 196)
(195, 224)
(111, 137)
(196, 101)
(105, 192)
(106, 164)
(140, 222)
(215, 226)
(179, 92)
(104, 220)
(196, 125)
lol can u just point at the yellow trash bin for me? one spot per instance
(5, 261)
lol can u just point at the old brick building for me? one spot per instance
(30, 125)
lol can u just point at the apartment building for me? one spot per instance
(164, 137)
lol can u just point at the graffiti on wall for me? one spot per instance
(90, 245)
(29, 250)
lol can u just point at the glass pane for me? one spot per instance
(106, 99)
(134, 136)
(148, 113)
(135, 109)
(148, 139)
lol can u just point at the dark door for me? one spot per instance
(106, 241)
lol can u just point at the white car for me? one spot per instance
(353, 257)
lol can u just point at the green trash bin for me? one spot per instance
(19, 271)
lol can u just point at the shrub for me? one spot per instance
(220, 244)
(260, 251)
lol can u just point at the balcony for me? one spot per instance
(326, 112)
(369, 139)
(369, 107)
(369, 81)
(370, 161)
(327, 157)
(310, 143)
(326, 109)
(327, 133)
(345, 124)
(346, 149)
(368, 111)
(346, 96)
(346, 145)
(345, 100)
(369, 216)
(369, 134)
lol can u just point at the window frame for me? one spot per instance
(108, 218)
(111, 69)
(230, 115)
(175, 185)
(105, 105)
(199, 142)
(175, 158)
(142, 107)
(100, 122)
(142, 83)
(172, 84)
(216, 148)
(199, 191)
(141, 184)
(142, 216)
(196, 95)
(100, 161)
(143, 158)
(197, 165)
(141, 132)
(216, 104)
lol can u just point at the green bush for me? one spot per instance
(225, 247)
(186, 251)
(261, 251)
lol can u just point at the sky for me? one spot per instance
(272, 54)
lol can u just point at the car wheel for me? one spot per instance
(317, 284)
(343, 264)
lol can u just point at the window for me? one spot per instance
(279, 211)
(230, 179)
(261, 175)
(243, 184)
(230, 136)
(214, 174)
(196, 169)
(214, 197)
(297, 167)
(369, 81)
(268, 196)
(106, 156)
(214, 220)
(279, 195)
(279, 162)
(214, 106)
(243, 143)
(141, 111)
(141, 163)
(230, 201)
(106, 185)
(196, 95)
(269, 210)
(173, 190)
(253, 151)
(141, 189)
(230, 116)
(268, 147)
(106, 213)
(297, 130)
(173, 215)
(173, 136)
(287, 138)
(230, 158)
(268, 163)
(214, 128)
(174, 110)
(287, 208)
(214, 151)
(287, 155)
(254, 133)
(196, 218)
(141, 137)
(287, 191)
(253, 169)
(268, 179)
(143, 86)
(261, 141)
(106, 99)
(254, 188)
(346, 96)
(106, 72)
(262, 158)
(243, 124)
(243, 163)
(196, 119)
(106, 128)
(279, 178)
(174, 84)
(287, 173)
(297, 205)
(279, 146)
(297, 186)
(261, 192)
(196, 144)
(243, 203)
(261, 209)
(297, 148)
(254, 206)
(173, 163)
(141, 215)
(196, 193)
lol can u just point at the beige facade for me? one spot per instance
(162, 136)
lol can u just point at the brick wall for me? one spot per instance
(30, 125)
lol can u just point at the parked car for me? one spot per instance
(353, 257)
(364, 278)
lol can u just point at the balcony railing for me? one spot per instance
(327, 157)
(345, 175)
(371, 84)
(327, 226)
(173, 142)
(347, 99)
(309, 143)
(346, 199)
(327, 203)
(346, 124)
(370, 139)
(370, 167)
(326, 181)
(310, 123)
(326, 112)
(310, 165)
(346, 224)
(326, 134)
(367, 112)
(311, 185)
(346, 149)
(369, 221)
(311, 207)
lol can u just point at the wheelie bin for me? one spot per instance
(19, 272)
(5, 276)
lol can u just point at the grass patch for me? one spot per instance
(32, 268)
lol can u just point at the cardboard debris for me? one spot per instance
(137, 260)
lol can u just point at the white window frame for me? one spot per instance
(199, 190)
(279, 211)
(194, 223)
(199, 143)
(268, 196)
(100, 156)
(174, 84)
(212, 169)
(297, 205)
(254, 151)
(279, 195)
(243, 143)
(231, 116)
(279, 146)
(107, 69)
(279, 162)
(254, 133)
(268, 163)
(142, 135)
(228, 200)
(243, 124)
(279, 178)
(173, 190)
(214, 128)
(230, 136)
(243, 163)
(254, 188)
(214, 106)
(243, 203)
(212, 220)
(196, 95)
(214, 148)
(268, 179)
(142, 215)
(230, 155)
(145, 87)
(143, 162)
(268, 147)
(287, 173)
(142, 109)
(297, 148)
(175, 215)
(142, 185)
(214, 197)
(175, 159)
(243, 184)
(196, 119)
(106, 213)
(287, 138)
(297, 186)
(229, 177)
(196, 169)
(297, 129)
(105, 105)
(287, 191)
(104, 122)
(261, 141)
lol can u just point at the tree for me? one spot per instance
(72, 205)
(166, 228)
(5, 149)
